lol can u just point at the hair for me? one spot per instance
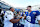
(10, 8)
(18, 12)
(29, 6)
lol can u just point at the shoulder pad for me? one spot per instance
(9, 12)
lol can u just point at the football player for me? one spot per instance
(9, 18)
(31, 17)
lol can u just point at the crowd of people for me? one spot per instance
(10, 18)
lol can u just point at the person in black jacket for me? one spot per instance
(1, 18)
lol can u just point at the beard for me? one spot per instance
(28, 9)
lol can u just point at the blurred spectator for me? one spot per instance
(1, 17)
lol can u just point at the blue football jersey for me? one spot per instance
(32, 16)
(39, 13)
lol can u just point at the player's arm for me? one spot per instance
(25, 17)
(39, 22)
(10, 17)
(38, 16)
(38, 19)
(15, 20)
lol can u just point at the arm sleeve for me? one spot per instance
(37, 13)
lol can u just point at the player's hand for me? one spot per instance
(25, 17)
(21, 17)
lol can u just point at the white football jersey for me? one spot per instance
(8, 16)
(2, 12)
